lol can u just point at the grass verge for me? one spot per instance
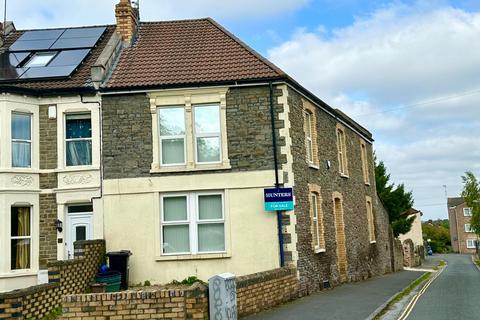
(399, 296)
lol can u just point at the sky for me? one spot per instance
(406, 70)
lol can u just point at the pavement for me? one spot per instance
(453, 295)
(353, 301)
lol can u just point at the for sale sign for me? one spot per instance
(278, 199)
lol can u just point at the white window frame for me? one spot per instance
(467, 212)
(22, 140)
(207, 134)
(471, 241)
(193, 221)
(161, 138)
(21, 238)
(309, 135)
(76, 139)
(468, 228)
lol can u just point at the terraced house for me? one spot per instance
(168, 153)
(50, 193)
(189, 144)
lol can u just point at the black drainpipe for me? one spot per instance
(277, 183)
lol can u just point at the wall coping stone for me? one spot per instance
(259, 277)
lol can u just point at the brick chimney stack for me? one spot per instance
(127, 20)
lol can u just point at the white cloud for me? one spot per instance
(410, 75)
(55, 13)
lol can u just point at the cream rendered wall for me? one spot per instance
(132, 222)
(415, 232)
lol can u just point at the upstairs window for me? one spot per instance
(468, 227)
(207, 133)
(467, 212)
(172, 135)
(342, 151)
(78, 139)
(308, 136)
(21, 237)
(21, 140)
(364, 156)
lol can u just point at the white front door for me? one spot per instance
(79, 227)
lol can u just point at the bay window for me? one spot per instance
(21, 237)
(78, 139)
(21, 140)
(192, 223)
(172, 135)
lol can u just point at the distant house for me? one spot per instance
(412, 241)
(415, 233)
(464, 240)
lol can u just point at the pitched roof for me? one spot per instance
(80, 79)
(453, 202)
(188, 52)
(410, 212)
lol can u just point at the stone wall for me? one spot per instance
(264, 290)
(190, 303)
(65, 277)
(127, 132)
(364, 259)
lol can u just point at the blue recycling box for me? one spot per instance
(278, 199)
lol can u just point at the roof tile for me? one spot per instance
(187, 52)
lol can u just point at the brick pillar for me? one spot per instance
(127, 19)
(48, 203)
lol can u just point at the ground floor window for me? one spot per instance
(21, 238)
(193, 223)
(471, 243)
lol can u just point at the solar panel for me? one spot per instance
(69, 58)
(47, 72)
(78, 38)
(63, 41)
(8, 64)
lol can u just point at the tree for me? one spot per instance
(395, 199)
(471, 196)
(438, 232)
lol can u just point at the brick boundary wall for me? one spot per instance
(264, 290)
(65, 277)
(190, 303)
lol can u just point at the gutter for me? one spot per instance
(277, 184)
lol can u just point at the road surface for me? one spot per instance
(455, 294)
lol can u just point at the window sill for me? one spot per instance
(344, 176)
(186, 169)
(203, 256)
(367, 184)
(77, 168)
(319, 250)
(373, 242)
(19, 273)
(314, 166)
